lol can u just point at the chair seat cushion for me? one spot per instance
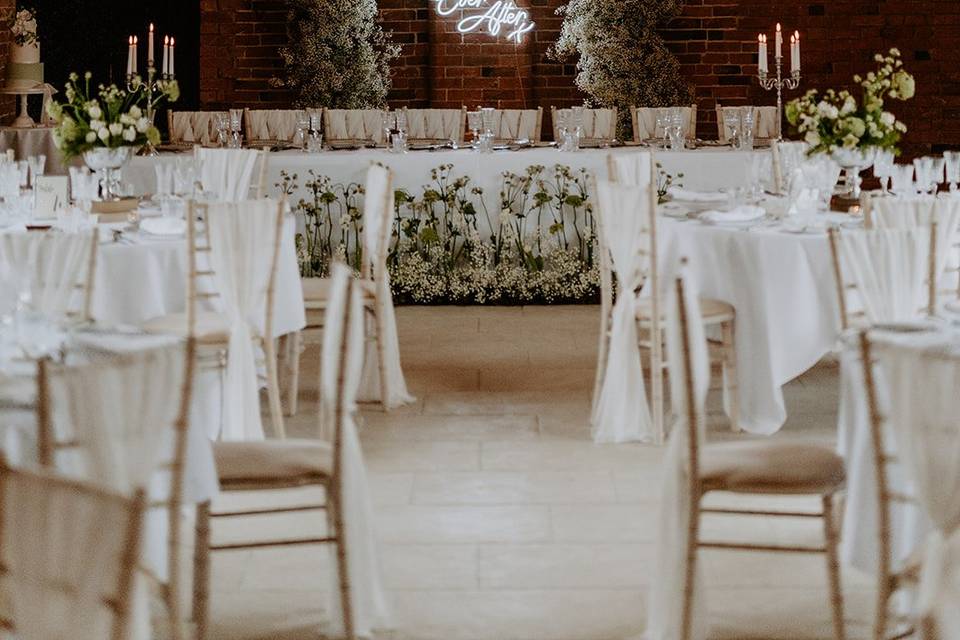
(711, 310)
(272, 463)
(316, 291)
(771, 466)
(210, 326)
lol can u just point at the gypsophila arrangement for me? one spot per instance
(111, 118)
(836, 119)
(23, 26)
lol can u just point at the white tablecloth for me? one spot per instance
(33, 141)
(137, 282)
(782, 287)
(710, 168)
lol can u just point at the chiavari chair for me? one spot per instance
(598, 126)
(294, 464)
(761, 467)
(194, 127)
(436, 125)
(644, 120)
(764, 123)
(510, 125)
(353, 126)
(271, 126)
(68, 554)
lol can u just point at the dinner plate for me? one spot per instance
(913, 326)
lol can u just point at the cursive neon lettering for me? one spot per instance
(502, 15)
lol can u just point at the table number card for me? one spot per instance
(52, 193)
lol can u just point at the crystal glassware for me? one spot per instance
(222, 122)
(731, 120)
(314, 142)
(576, 122)
(23, 168)
(474, 121)
(303, 125)
(926, 179)
(388, 122)
(901, 179)
(746, 128)
(402, 121)
(38, 166)
(881, 168)
(951, 162)
(235, 117)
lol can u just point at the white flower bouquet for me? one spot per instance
(835, 120)
(23, 26)
(111, 119)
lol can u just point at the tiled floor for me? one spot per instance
(500, 519)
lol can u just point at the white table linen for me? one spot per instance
(782, 288)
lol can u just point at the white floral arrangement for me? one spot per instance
(837, 120)
(23, 26)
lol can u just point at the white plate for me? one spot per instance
(916, 326)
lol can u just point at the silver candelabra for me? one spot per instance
(153, 84)
(779, 83)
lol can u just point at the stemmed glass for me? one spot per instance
(576, 123)
(951, 163)
(402, 121)
(731, 120)
(388, 122)
(901, 179)
(474, 121)
(746, 128)
(303, 125)
(663, 123)
(882, 165)
(222, 122)
(563, 129)
(487, 115)
(235, 117)
(926, 173)
(38, 166)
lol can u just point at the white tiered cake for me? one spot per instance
(25, 71)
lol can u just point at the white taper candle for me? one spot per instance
(778, 42)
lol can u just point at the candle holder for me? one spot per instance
(779, 83)
(154, 84)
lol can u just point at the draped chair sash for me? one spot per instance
(764, 122)
(272, 125)
(199, 127)
(228, 173)
(517, 124)
(436, 124)
(353, 124)
(621, 413)
(598, 124)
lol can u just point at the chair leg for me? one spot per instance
(346, 605)
(731, 387)
(656, 381)
(201, 570)
(171, 590)
(693, 538)
(292, 359)
(833, 568)
(273, 388)
(382, 358)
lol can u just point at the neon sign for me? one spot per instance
(501, 15)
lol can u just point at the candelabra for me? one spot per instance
(154, 84)
(779, 83)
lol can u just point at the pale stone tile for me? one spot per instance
(516, 403)
(568, 614)
(603, 523)
(422, 455)
(490, 487)
(430, 428)
(463, 524)
(565, 566)
(562, 455)
(423, 379)
(390, 488)
(640, 485)
(267, 615)
(434, 566)
(573, 377)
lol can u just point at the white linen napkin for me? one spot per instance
(688, 195)
(743, 213)
(164, 226)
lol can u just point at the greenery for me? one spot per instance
(338, 56)
(110, 118)
(836, 119)
(623, 62)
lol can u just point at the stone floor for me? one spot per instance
(501, 520)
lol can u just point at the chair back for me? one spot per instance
(68, 553)
(377, 213)
(54, 272)
(228, 174)
(271, 125)
(436, 125)
(920, 212)
(598, 125)
(510, 125)
(764, 122)
(353, 125)
(644, 121)
(196, 127)
(883, 275)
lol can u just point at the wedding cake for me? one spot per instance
(24, 70)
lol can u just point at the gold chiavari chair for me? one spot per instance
(510, 125)
(644, 121)
(848, 289)
(436, 125)
(189, 127)
(761, 467)
(67, 547)
(271, 126)
(599, 125)
(650, 312)
(373, 273)
(764, 122)
(59, 268)
(211, 329)
(353, 126)
(51, 442)
(889, 580)
(294, 464)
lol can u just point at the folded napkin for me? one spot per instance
(743, 213)
(687, 195)
(164, 226)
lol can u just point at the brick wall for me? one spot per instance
(7, 103)
(714, 40)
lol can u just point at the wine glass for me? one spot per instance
(951, 160)
(303, 125)
(881, 168)
(38, 166)
(925, 174)
(731, 120)
(388, 122)
(474, 121)
(222, 121)
(402, 121)
(563, 132)
(746, 128)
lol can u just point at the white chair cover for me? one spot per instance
(353, 124)
(436, 124)
(49, 265)
(194, 126)
(62, 548)
(270, 125)
(924, 405)
(645, 123)
(598, 124)
(621, 413)
(634, 169)
(227, 173)
(368, 598)
(377, 209)
(764, 122)
(889, 268)
(243, 241)
(665, 599)
(517, 124)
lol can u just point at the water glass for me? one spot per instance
(388, 122)
(474, 121)
(185, 177)
(881, 168)
(402, 123)
(675, 133)
(165, 180)
(303, 125)
(951, 160)
(314, 142)
(486, 142)
(562, 123)
(926, 175)
(731, 121)
(23, 169)
(38, 166)
(236, 140)
(488, 118)
(235, 117)
(398, 142)
(663, 124)
(576, 122)
(222, 122)
(901, 179)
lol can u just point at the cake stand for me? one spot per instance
(24, 120)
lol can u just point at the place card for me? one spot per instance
(51, 193)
